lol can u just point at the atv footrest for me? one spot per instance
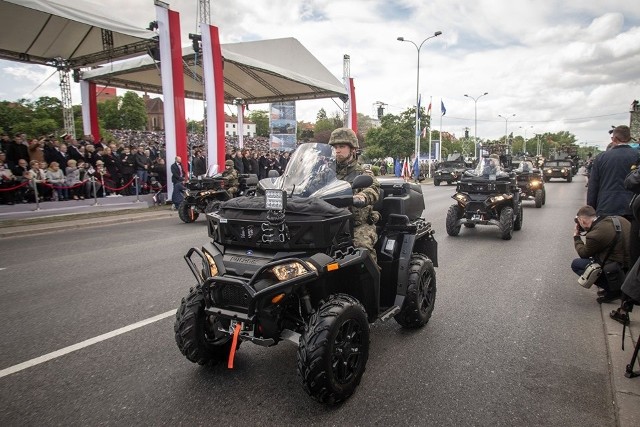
(389, 313)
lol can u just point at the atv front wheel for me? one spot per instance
(506, 223)
(517, 223)
(538, 197)
(544, 197)
(334, 349)
(436, 182)
(197, 335)
(421, 293)
(213, 206)
(453, 229)
(186, 213)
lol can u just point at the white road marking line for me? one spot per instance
(58, 353)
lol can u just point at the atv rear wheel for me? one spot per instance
(453, 214)
(538, 197)
(517, 223)
(506, 223)
(421, 293)
(334, 349)
(436, 182)
(186, 213)
(197, 335)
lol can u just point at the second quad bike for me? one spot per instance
(205, 194)
(530, 183)
(486, 196)
(282, 266)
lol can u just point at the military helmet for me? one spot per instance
(229, 163)
(344, 136)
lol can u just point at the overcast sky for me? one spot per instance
(557, 65)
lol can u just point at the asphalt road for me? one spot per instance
(513, 339)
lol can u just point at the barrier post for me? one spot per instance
(136, 177)
(35, 192)
(95, 194)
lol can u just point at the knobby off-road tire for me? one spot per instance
(544, 197)
(538, 197)
(453, 214)
(506, 223)
(517, 223)
(436, 182)
(198, 338)
(334, 349)
(421, 293)
(569, 178)
(185, 214)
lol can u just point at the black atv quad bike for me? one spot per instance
(486, 197)
(204, 195)
(530, 183)
(282, 266)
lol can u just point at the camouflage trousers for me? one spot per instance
(365, 236)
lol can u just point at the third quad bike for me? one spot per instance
(530, 183)
(487, 196)
(282, 266)
(204, 195)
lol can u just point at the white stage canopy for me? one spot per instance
(256, 72)
(68, 33)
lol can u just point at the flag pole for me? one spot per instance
(441, 140)
(429, 130)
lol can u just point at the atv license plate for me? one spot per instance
(476, 217)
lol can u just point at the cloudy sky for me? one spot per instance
(556, 64)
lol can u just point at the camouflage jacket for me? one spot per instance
(348, 172)
(232, 179)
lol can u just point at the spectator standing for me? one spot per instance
(199, 164)
(237, 162)
(36, 150)
(263, 164)
(246, 163)
(21, 173)
(253, 160)
(606, 192)
(143, 163)
(127, 168)
(112, 165)
(17, 150)
(7, 180)
(177, 178)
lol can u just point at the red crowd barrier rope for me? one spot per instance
(24, 184)
(119, 188)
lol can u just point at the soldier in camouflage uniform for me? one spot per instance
(345, 142)
(232, 177)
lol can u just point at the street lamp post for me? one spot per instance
(416, 147)
(524, 145)
(506, 129)
(475, 120)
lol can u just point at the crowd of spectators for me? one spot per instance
(50, 168)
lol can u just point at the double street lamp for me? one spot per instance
(475, 120)
(506, 130)
(524, 144)
(418, 47)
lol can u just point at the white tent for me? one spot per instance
(69, 33)
(257, 72)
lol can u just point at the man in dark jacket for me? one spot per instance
(127, 169)
(177, 178)
(199, 163)
(600, 237)
(606, 192)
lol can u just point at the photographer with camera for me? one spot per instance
(605, 242)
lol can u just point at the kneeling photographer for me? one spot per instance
(606, 242)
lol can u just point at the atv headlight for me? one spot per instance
(563, 170)
(275, 199)
(461, 198)
(535, 183)
(290, 270)
(549, 171)
(499, 198)
(213, 268)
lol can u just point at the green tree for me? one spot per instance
(195, 126)
(108, 112)
(47, 107)
(261, 119)
(133, 112)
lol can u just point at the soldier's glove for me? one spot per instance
(359, 202)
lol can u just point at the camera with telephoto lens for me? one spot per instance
(580, 229)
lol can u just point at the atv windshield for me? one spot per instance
(310, 172)
(524, 167)
(489, 168)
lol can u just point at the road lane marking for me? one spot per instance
(58, 353)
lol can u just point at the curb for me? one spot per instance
(32, 229)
